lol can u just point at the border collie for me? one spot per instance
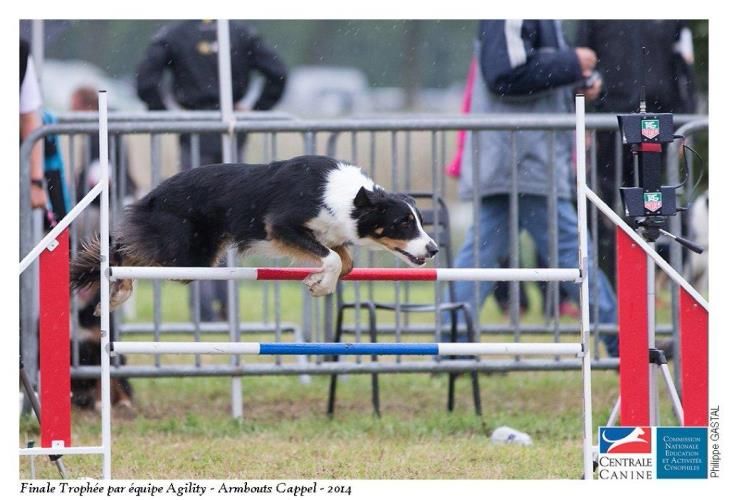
(308, 208)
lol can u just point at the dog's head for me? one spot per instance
(390, 221)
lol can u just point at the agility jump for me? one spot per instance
(58, 436)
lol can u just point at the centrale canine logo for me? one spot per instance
(625, 440)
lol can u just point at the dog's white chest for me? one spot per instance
(332, 230)
(333, 225)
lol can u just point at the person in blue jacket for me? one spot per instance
(527, 67)
(59, 202)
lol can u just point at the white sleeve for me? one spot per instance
(30, 96)
(685, 46)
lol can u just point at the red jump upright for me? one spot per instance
(633, 335)
(632, 291)
(694, 328)
(55, 351)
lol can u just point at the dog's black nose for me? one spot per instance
(432, 249)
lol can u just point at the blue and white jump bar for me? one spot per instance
(343, 349)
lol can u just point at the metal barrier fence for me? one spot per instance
(403, 153)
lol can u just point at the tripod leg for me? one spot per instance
(35, 404)
(675, 400)
(28, 388)
(30, 444)
(60, 467)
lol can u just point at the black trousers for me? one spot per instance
(214, 291)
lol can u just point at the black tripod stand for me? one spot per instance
(35, 405)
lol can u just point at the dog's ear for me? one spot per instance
(364, 198)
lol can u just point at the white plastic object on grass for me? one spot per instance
(508, 435)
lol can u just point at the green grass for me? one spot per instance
(183, 429)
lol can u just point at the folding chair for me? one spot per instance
(442, 235)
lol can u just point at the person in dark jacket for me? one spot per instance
(526, 67)
(189, 51)
(631, 54)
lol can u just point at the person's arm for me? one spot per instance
(30, 104)
(28, 123)
(150, 71)
(266, 61)
(513, 66)
(685, 74)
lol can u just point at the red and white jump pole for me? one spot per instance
(361, 274)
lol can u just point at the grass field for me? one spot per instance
(183, 429)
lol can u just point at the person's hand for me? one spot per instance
(593, 92)
(587, 59)
(38, 197)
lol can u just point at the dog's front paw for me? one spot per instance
(321, 284)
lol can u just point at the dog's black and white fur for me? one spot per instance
(309, 208)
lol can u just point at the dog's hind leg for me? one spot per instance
(299, 243)
(120, 291)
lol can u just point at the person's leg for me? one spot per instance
(211, 152)
(533, 219)
(493, 226)
(606, 174)
(502, 292)
(185, 153)
(601, 291)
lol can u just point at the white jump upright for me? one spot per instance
(583, 264)
(578, 349)
(105, 283)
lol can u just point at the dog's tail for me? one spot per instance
(85, 267)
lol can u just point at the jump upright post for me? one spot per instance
(104, 288)
(52, 250)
